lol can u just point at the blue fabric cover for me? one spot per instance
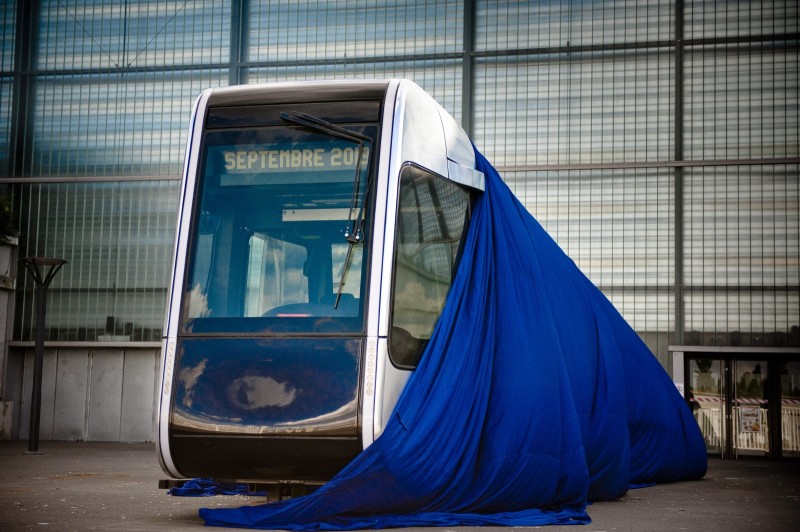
(206, 487)
(533, 397)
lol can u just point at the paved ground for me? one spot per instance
(109, 486)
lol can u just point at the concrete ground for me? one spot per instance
(112, 486)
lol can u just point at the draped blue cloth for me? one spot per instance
(206, 487)
(533, 397)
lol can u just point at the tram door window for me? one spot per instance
(431, 223)
(746, 406)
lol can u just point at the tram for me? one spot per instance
(319, 229)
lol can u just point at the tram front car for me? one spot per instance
(319, 230)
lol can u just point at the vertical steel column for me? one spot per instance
(468, 70)
(42, 282)
(240, 11)
(26, 43)
(678, 190)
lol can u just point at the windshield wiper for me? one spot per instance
(353, 231)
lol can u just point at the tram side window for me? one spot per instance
(431, 223)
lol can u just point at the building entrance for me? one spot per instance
(746, 405)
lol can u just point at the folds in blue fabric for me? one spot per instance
(533, 397)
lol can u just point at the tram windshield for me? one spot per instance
(269, 250)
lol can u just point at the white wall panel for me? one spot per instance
(138, 395)
(71, 387)
(88, 395)
(105, 395)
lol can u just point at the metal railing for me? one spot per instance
(712, 424)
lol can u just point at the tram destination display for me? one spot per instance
(280, 163)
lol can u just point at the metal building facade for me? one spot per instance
(658, 142)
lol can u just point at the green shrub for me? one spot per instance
(9, 223)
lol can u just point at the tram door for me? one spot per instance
(746, 406)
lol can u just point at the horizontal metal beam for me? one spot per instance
(742, 288)
(83, 345)
(647, 164)
(225, 66)
(568, 48)
(111, 290)
(516, 168)
(733, 350)
(791, 40)
(697, 288)
(86, 179)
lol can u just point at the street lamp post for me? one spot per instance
(43, 270)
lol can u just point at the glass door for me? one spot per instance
(730, 399)
(790, 408)
(746, 406)
(707, 394)
(750, 408)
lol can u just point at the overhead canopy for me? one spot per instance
(533, 397)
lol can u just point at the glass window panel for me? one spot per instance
(617, 225)
(87, 34)
(442, 79)
(742, 255)
(742, 103)
(431, 223)
(581, 108)
(7, 35)
(511, 24)
(117, 237)
(712, 18)
(742, 226)
(8, 14)
(263, 259)
(133, 124)
(754, 317)
(311, 30)
(6, 93)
